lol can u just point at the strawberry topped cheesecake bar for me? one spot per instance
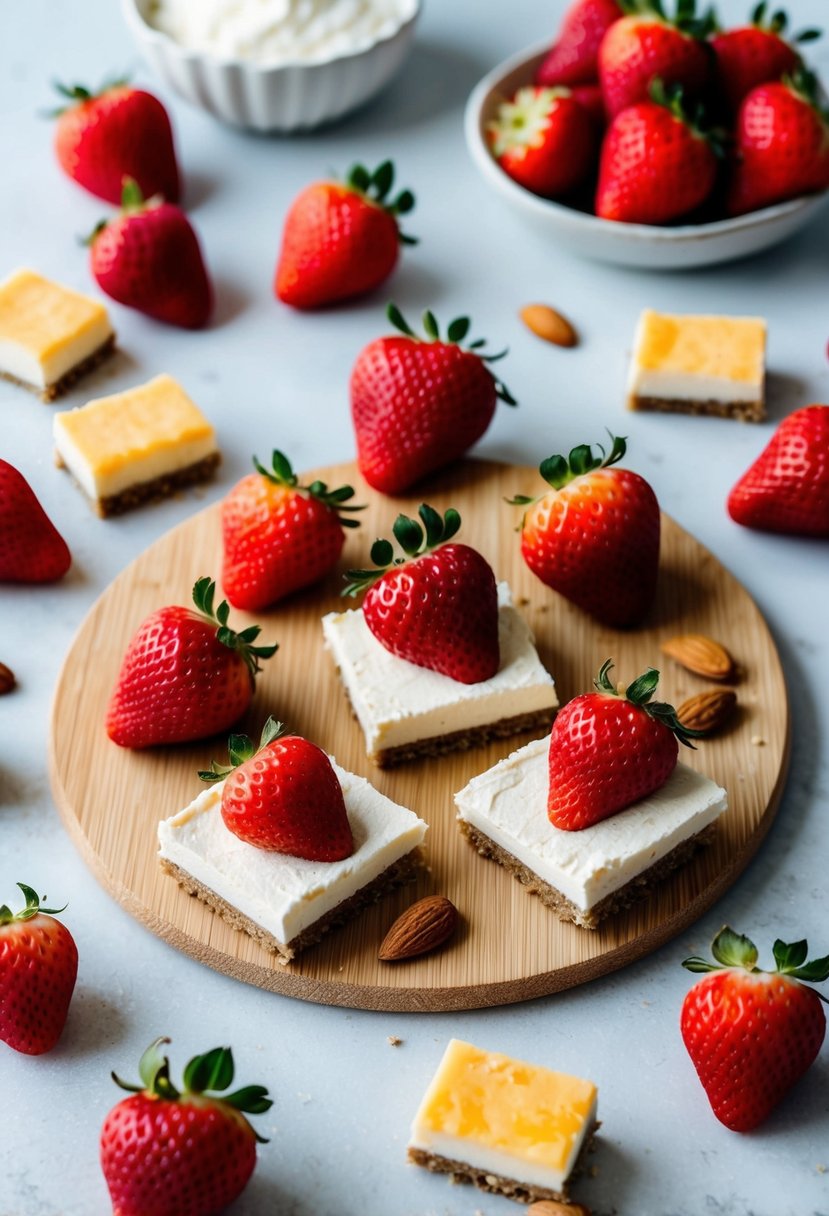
(437, 658)
(285, 843)
(49, 336)
(592, 818)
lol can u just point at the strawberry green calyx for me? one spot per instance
(805, 85)
(672, 98)
(639, 693)
(413, 539)
(282, 474)
(204, 593)
(685, 18)
(455, 334)
(559, 471)
(731, 949)
(77, 94)
(32, 908)
(209, 1075)
(776, 23)
(241, 748)
(132, 203)
(376, 187)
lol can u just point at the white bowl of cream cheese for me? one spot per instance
(274, 65)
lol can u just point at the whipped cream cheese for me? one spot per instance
(509, 804)
(397, 702)
(274, 32)
(287, 894)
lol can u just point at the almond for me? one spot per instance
(551, 1207)
(708, 711)
(7, 680)
(700, 654)
(549, 325)
(424, 926)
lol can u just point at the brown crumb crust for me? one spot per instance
(638, 887)
(497, 1184)
(742, 411)
(460, 740)
(159, 487)
(51, 391)
(395, 875)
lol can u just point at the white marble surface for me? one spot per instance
(343, 1096)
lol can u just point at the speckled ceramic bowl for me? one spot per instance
(643, 245)
(281, 98)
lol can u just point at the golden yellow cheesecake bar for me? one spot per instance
(49, 335)
(699, 365)
(509, 1127)
(137, 445)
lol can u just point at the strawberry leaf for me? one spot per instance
(734, 950)
(203, 596)
(413, 539)
(408, 534)
(789, 956)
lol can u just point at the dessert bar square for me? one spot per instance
(138, 445)
(507, 1126)
(407, 711)
(589, 874)
(49, 336)
(699, 365)
(288, 903)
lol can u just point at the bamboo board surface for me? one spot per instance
(510, 948)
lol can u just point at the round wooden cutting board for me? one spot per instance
(510, 947)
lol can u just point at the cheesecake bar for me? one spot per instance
(288, 903)
(586, 875)
(513, 1128)
(49, 336)
(407, 711)
(134, 446)
(699, 365)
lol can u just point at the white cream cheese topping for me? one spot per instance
(397, 702)
(275, 32)
(508, 803)
(287, 894)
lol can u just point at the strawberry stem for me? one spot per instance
(413, 539)
(241, 748)
(204, 593)
(455, 334)
(282, 474)
(731, 949)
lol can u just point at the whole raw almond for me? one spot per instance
(551, 1207)
(549, 325)
(7, 680)
(700, 654)
(422, 927)
(708, 711)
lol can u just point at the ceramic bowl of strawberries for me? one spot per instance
(655, 139)
(274, 67)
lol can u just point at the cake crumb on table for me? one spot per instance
(394, 1041)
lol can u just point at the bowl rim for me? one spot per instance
(132, 10)
(672, 234)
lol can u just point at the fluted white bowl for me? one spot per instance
(279, 97)
(678, 247)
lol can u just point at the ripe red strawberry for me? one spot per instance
(190, 1151)
(437, 606)
(341, 239)
(185, 675)
(418, 404)
(657, 163)
(756, 54)
(101, 138)
(280, 536)
(31, 548)
(573, 59)
(752, 1034)
(594, 537)
(544, 140)
(38, 967)
(285, 797)
(782, 145)
(647, 45)
(787, 487)
(149, 258)
(609, 749)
